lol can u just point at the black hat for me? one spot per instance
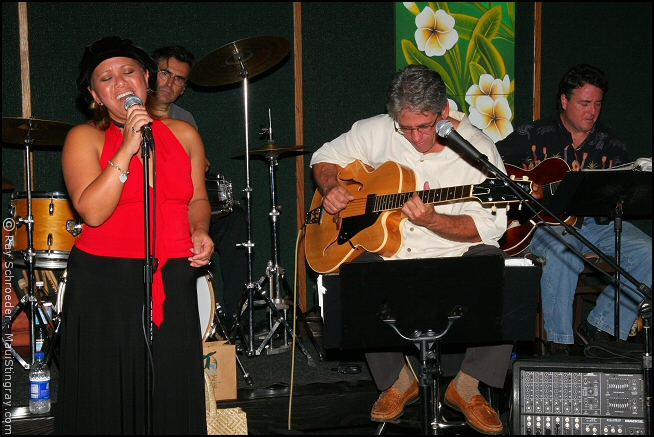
(105, 48)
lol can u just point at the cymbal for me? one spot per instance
(223, 65)
(274, 149)
(7, 184)
(42, 132)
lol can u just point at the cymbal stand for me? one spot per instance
(238, 58)
(274, 272)
(29, 256)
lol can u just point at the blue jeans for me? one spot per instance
(561, 273)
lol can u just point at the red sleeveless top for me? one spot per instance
(123, 234)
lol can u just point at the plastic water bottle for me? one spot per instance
(39, 385)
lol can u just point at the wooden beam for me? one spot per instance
(24, 45)
(301, 271)
(538, 33)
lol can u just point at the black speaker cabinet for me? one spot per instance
(577, 396)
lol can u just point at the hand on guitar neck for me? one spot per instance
(546, 178)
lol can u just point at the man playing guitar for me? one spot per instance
(575, 136)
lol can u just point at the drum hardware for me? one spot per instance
(30, 132)
(274, 275)
(74, 227)
(232, 63)
(219, 190)
(217, 320)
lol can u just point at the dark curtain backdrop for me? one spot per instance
(348, 58)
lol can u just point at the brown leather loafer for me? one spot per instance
(478, 412)
(391, 402)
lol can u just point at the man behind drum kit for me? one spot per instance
(228, 221)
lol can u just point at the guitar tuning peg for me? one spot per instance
(508, 207)
(520, 206)
(525, 178)
(512, 177)
(494, 209)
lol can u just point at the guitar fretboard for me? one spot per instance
(386, 202)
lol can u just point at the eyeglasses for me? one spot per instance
(424, 129)
(166, 75)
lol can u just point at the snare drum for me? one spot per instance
(56, 227)
(206, 302)
(219, 190)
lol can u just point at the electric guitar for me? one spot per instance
(373, 220)
(546, 178)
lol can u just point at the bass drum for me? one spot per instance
(206, 302)
(206, 305)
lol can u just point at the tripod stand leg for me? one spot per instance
(303, 320)
(219, 321)
(282, 320)
(7, 322)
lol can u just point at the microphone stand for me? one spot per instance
(149, 268)
(445, 130)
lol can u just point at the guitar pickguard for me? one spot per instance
(350, 226)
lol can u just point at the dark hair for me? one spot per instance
(178, 52)
(416, 88)
(578, 76)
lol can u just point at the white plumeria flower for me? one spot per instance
(435, 34)
(453, 105)
(488, 86)
(492, 116)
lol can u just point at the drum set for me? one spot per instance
(43, 228)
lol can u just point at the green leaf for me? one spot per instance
(511, 7)
(491, 56)
(476, 71)
(486, 26)
(439, 5)
(465, 25)
(489, 23)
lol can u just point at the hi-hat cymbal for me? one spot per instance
(41, 132)
(7, 184)
(226, 64)
(274, 149)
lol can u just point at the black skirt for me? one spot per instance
(103, 377)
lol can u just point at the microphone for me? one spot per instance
(445, 129)
(146, 130)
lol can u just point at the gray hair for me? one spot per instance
(416, 88)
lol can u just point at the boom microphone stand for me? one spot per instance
(445, 129)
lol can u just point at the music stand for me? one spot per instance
(390, 303)
(605, 193)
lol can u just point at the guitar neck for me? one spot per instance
(387, 202)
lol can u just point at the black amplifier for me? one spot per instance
(577, 396)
